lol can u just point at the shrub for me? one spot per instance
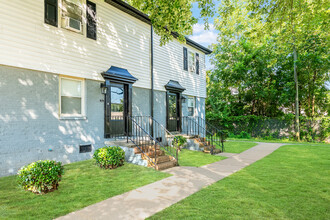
(109, 157)
(311, 129)
(245, 135)
(41, 176)
(179, 141)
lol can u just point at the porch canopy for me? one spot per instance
(174, 86)
(119, 75)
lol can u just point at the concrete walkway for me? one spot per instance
(150, 199)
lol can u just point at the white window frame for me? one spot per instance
(82, 6)
(83, 99)
(194, 107)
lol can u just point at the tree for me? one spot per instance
(290, 19)
(314, 68)
(173, 16)
(284, 21)
(248, 79)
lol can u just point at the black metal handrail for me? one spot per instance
(214, 130)
(160, 134)
(161, 131)
(141, 139)
(196, 126)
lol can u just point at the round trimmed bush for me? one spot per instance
(109, 157)
(41, 176)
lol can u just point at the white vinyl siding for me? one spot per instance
(168, 65)
(27, 42)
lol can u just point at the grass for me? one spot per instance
(83, 184)
(286, 140)
(237, 146)
(196, 158)
(291, 183)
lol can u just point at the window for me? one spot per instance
(72, 97)
(91, 20)
(51, 12)
(117, 101)
(197, 63)
(185, 59)
(191, 59)
(72, 15)
(191, 106)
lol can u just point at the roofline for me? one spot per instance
(123, 6)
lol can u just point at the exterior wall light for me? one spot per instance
(104, 88)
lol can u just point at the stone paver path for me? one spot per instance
(150, 199)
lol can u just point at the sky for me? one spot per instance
(208, 37)
(204, 37)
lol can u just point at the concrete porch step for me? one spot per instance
(122, 143)
(161, 159)
(166, 165)
(152, 154)
(145, 149)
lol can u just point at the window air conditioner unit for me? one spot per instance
(73, 24)
(192, 68)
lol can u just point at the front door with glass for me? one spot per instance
(116, 109)
(173, 112)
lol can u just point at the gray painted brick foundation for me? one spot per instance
(30, 127)
(140, 102)
(133, 158)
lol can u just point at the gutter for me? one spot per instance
(152, 75)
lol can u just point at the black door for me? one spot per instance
(173, 111)
(116, 110)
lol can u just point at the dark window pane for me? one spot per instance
(172, 105)
(117, 101)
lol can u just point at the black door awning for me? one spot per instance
(119, 75)
(174, 86)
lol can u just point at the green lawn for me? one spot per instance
(237, 146)
(196, 158)
(291, 183)
(83, 184)
(284, 140)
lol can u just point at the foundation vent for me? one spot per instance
(85, 148)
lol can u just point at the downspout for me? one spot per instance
(152, 79)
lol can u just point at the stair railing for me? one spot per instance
(166, 138)
(214, 130)
(163, 138)
(141, 139)
(193, 128)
